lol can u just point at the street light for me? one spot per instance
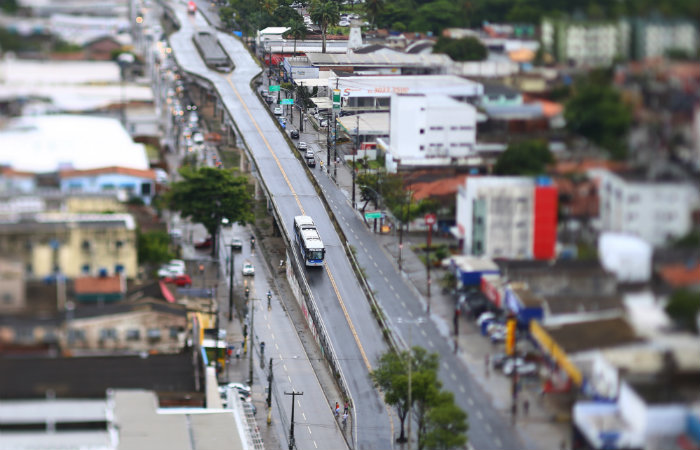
(410, 367)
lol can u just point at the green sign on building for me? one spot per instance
(373, 215)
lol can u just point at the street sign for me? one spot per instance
(287, 101)
(373, 215)
(430, 219)
(274, 88)
(336, 99)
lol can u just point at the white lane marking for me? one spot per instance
(453, 376)
(498, 442)
(423, 332)
(470, 401)
(277, 347)
(375, 264)
(430, 343)
(461, 388)
(309, 428)
(479, 415)
(391, 286)
(315, 444)
(285, 367)
(304, 415)
(445, 365)
(409, 313)
(370, 256)
(488, 428)
(290, 379)
(385, 279)
(403, 303)
(268, 326)
(381, 272)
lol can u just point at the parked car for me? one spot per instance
(242, 389)
(173, 268)
(203, 244)
(294, 134)
(183, 280)
(198, 138)
(248, 269)
(302, 146)
(278, 111)
(323, 123)
(521, 366)
(237, 243)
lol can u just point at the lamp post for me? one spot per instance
(354, 154)
(410, 368)
(230, 287)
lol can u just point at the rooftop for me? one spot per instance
(60, 142)
(681, 275)
(590, 335)
(563, 304)
(100, 285)
(380, 60)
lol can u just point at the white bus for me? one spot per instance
(309, 241)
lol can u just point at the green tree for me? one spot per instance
(297, 30)
(597, 112)
(153, 247)
(436, 16)
(372, 9)
(683, 307)
(208, 195)
(324, 13)
(690, 240)
(445, 425)
(465, 49)
(524, 158)
(391, 376)
(8, 6)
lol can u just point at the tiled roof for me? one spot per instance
(438, 188)
(582, 336)
(681, 275)
(10, 172)
(99, 285)
(150, 174)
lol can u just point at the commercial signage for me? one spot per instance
(287, 101)
(274, 88)
(336, 98)
(373, 215)
(430, 219)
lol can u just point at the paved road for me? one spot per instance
(334, 287)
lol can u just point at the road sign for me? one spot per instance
(430, 219)
(287, 101)
(373, 215)
(274, 88)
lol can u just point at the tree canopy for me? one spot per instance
(153, 247)
(524, 158)
(597, 112)
(324, 13)
(207, 195)
(465, 49)
(430, 402)
(683, 307)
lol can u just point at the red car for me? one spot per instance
(203, 244)
(179, 280)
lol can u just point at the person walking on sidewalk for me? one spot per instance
(336, 412)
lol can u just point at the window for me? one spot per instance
(146, 189)
(29, 269)
(24, 334)
(119, 268)
(133, 334)
(75, 335)
(174, 332)
(7, 298)
(86, 245)
(422, 131)
(86, 268)
(108, 333)
(119, 244)
(153, 334)
(422, 148)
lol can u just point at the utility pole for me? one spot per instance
(335, 136)
(328, 143)
(301, 94)
(291, 424)
(251, 348)
(230, 288)
(354, 154)
(430, 220)
(269, 386)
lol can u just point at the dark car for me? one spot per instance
(294, 134)
(203, 244)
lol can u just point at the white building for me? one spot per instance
(652, 208)
(429, 131)
(655, 37)
(507, 217)
(585, 43)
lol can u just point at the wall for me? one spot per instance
(109, 182)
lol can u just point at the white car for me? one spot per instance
(198, 138)
(173, 268)
(248, 269)
(343, 23)
(278, 111)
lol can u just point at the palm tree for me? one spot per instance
(297, 30)
(324, 13)
(373, 8)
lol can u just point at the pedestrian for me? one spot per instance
(346, 408)
(238, 353)
(345, 418)
(526, 407)
(337, 409)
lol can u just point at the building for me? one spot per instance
(585, 42)
(143, 326)
(507, 217)
(134, 183)
(429, 130)
(655, 37)
(70, 244)
(12, 289)
(373, 64)
(652, 206)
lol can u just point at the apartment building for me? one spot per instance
(71, 244)
(585, 42)
(507, 217)
(652, 206)
(655, 37)
(429, 131)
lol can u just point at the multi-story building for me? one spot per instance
(507, 217)
(12, 290)
(132, 182)
(585, 42)
(70, 244)
(655, 37)
(644, 204)
(429, 131)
